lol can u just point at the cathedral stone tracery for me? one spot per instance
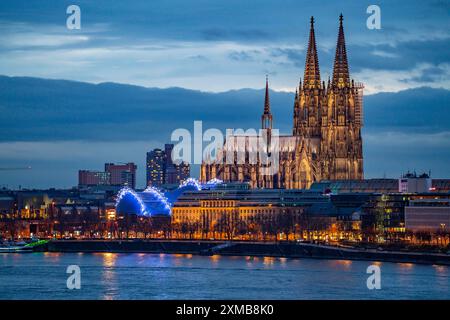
(326, 141)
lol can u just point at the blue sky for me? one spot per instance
(220, 45)
(214, 46)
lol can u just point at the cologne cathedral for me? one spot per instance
(326, 141)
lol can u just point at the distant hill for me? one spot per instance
(42, 109)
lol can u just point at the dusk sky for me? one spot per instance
(221, 45)
(216, 46)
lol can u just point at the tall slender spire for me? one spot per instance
(341, 75)
(266, 98)
(266, 118)
(312, 72)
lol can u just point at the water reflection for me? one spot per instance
(215, 259)
(342, 264)
(268, 261)
(154, 276)
(405, 265)
(109, 259)
(440, 269)
(109, 279)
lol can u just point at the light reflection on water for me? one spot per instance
(184, 276)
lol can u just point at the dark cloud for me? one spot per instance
(58, 126)
(429, 75)
(403, 56)
(45, 110)
(243, 55)
(220, 34)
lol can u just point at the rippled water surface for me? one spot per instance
(164, 276)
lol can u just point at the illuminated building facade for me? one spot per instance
(326, 143)
(155, 167)
(236, 208)
(162, 170)
(93, 178)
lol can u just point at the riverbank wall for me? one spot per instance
(287, 250)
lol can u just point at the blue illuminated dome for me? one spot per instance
(150, 202)
(211, 184)
(190, 184)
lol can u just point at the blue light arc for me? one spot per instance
(152, 202)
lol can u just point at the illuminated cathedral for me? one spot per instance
(326, 141)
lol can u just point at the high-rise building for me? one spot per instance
(326, 142)
(122, 174)
(170, 169)
(93, 178)
(155, 167)
(162, 170)
(183, 171)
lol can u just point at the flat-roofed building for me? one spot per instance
(356, 186)
(93, 178)
(383, 185)
(413, 183)
(192, 205)
(430, 215)
(122, 174)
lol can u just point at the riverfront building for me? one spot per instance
(428, 215)
(226, 211)
(235, 208)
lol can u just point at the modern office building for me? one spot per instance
(114, 175)
(429, 215)
(356, 186)
(382, 185)
(122, 174)
(162, 170)
(155, 167)
(93, 178)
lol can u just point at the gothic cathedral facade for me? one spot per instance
(326, 142)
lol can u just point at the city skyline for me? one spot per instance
(61, 127)
(218, 154)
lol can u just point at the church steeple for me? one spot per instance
(341, 75)
(266, 118)
(312, 72)
(266, 98)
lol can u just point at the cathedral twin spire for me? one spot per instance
(341, 76)
(312, 72)
(326, 143)
(311, 80)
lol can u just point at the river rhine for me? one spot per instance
(165, 276)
